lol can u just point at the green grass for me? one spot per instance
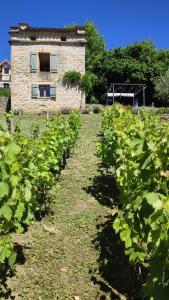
(26, 121)
(73, 251)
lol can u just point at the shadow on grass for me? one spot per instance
(116, 276)
(5, 274)
(5, 291)
(103, 188)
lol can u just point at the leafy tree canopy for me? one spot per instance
(162, 87)
(137, 63)
(95, 45)
(140, 62)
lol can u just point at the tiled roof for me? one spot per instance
(25, 28)
(5, 62)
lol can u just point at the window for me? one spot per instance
(6, 85)
(44, 91)
(63, 38)
(33, 38)
(44, 62)
(6, 70)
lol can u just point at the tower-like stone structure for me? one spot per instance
(39, 59)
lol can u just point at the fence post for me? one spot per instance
(47, 116)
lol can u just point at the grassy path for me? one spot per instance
(71, 253)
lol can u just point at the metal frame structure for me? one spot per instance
(136, 86)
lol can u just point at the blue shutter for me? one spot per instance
(48, 91)
(35, 90)
(53, 63)
(53, 90)
(41, 90)
(33, 62)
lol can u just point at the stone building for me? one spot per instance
(5, 74)
(39, 59)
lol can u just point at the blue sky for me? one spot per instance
(121, 22)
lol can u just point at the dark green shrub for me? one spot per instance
(65, 111)
(93, 100)
(72, 78)
(96, 110)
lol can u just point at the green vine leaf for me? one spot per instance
(4, 189)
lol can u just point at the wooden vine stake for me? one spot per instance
(47, 116)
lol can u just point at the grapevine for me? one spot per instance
(137, 149)
(28, 168)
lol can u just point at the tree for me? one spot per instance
(84, 82)
(95, 45)
(87, 83)
(137, 63)
(162, 87)
(94, 51)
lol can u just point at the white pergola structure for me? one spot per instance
(131, 91)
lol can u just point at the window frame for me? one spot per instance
(6, 68)
(49, 91)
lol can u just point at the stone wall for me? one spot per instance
(69, 57)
